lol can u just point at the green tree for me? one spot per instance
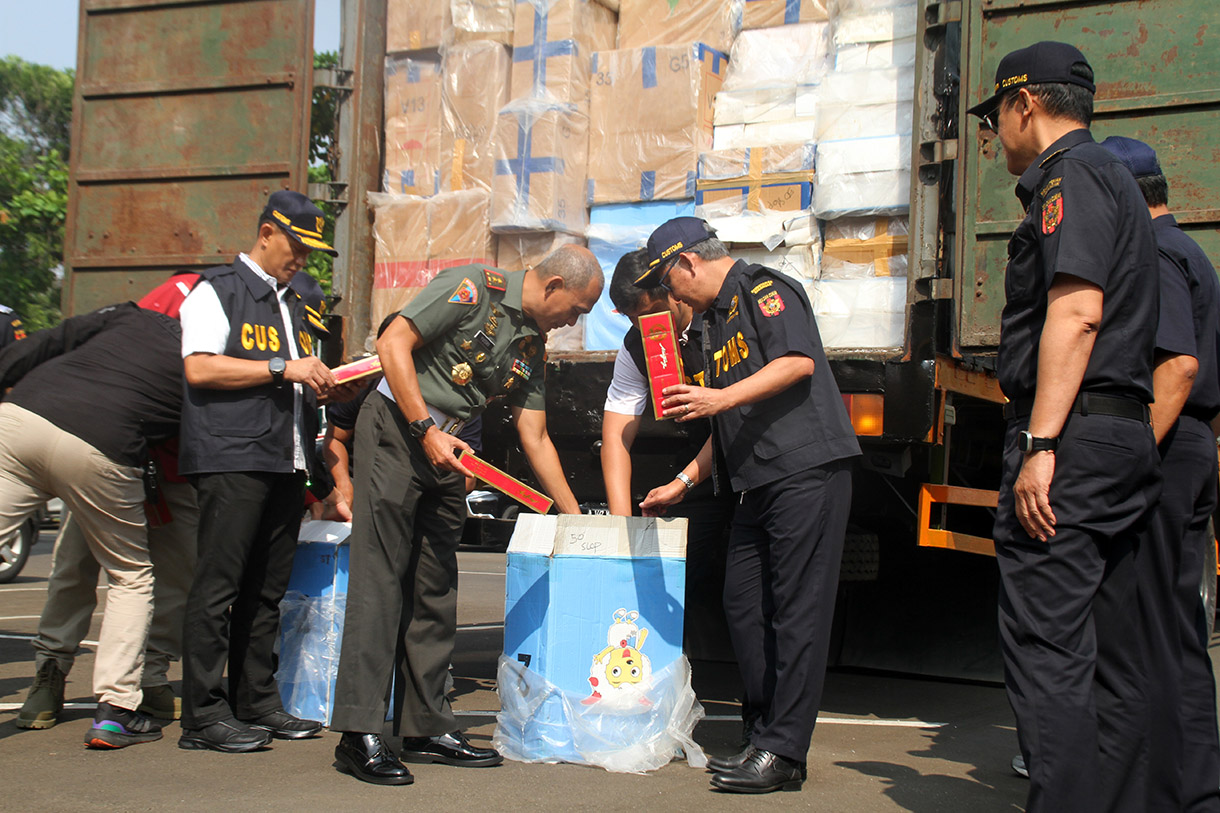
(323, 157)
(35, 128)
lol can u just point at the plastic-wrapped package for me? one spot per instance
(860, 104)
(651, 115)
(468, 20)
(859, 248)
(881, 24)
(764, 133)
(773, 57)
(863, 176)
(546, 32)
(413, 25)
(542, 158)
(474, 88)
(418, 237)
(412, 125)
(515, 252)
(556, 72)
(593, 670)
(801, 263)
(860, 313)
(567, 339)
(864, 55)
(642, 23)
(770, 13)
(777, 178)
(614, 230)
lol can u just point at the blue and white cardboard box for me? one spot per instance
(593, 610)
(311, 620)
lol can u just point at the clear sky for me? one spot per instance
(45, 31)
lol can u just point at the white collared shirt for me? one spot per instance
(628, 393)
(205, 329)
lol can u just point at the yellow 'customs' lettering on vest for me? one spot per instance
(1052, 213)
(732, 310)
(762, 286)
(461, 374)
(260, 336)
(305, 342)
(734, 351)
(771, 305)
(494, 279)
(466, 294)
(697, 378)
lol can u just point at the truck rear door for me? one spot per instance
(1157, 66)
(186, 116)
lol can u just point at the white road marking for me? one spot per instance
(25, 617)
(482, 627)
(70, 706)
(479, 573)
(20, 637)
(39, 589)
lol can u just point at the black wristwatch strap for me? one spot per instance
(1029, 444)
(420, 428)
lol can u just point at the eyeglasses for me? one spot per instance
(665, 276)
(989, 122)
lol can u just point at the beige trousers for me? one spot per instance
(38, 460)
(72, 588)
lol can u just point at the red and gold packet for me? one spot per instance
(357, 369)
(511, 486)
(662, 357)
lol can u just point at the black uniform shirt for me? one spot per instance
(1190, 312)
(11, 329)
(759, 316)
(1084, 216)
(112, 378)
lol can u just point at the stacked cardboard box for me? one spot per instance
(542, 155)
(553, 46)
(650, 117)
(415, 25)
(470, 20)
(412, 125)
(515, 252)
(677, 22)
(474, 86)
(417, 237)
(771, 13)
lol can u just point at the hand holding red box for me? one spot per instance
(662, 357)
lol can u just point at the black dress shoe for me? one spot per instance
(449, 749)
(283, 726)
(228, 736)
(762, 772)
(366, 757)
(730, 762)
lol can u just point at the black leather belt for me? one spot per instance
(1087, 403)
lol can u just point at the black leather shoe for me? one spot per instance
(762, 772)
(730, 762)
(283, 726)
(449, 749)
(228, 736)
(366, 757)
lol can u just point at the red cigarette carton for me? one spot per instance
(511, 486)
(357, 369)
(662, 356)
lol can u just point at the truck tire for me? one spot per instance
(1207, 582)
(16, 551)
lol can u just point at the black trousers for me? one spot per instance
(401, 616)
(248, 525)
(1185, 752)
(779, 597)
(1069, 619)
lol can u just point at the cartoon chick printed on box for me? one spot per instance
(621, 673)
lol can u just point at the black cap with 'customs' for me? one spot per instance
(1135, 155)
(299, 218)
(669, 240)
(1040, 63)
(314, 298)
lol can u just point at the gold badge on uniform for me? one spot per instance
(461, 374)
(508, 385)
(527, 348)
(480, 358)
(466, 345)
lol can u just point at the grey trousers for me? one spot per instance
(401, 615)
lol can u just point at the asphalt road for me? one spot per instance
(882, 742)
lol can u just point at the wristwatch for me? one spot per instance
(277, 366)
(420, 428)
(1027, 443)
(685, 479)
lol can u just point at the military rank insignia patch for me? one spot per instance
(1052, 213)
(521, 368)
(772, 304)
(732, 310)
(494, 279)
(466, 294)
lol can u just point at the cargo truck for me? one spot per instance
(187, 115)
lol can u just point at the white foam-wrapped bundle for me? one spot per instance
(863, 247)
(801, 263)
(769, 57)
(860, 313)
(863, 176)
(860, 56)
(867, 22)
(861, 104)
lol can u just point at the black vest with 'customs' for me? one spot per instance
(249, 429)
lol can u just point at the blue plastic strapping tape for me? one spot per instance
(649, 58)
(648, 184)
(525, 165)
(540, 50)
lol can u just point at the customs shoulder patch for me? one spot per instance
(466, 294)
(760, 287)
(1052, 213)
(494, 279)
(732, 310)
(772, 304)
